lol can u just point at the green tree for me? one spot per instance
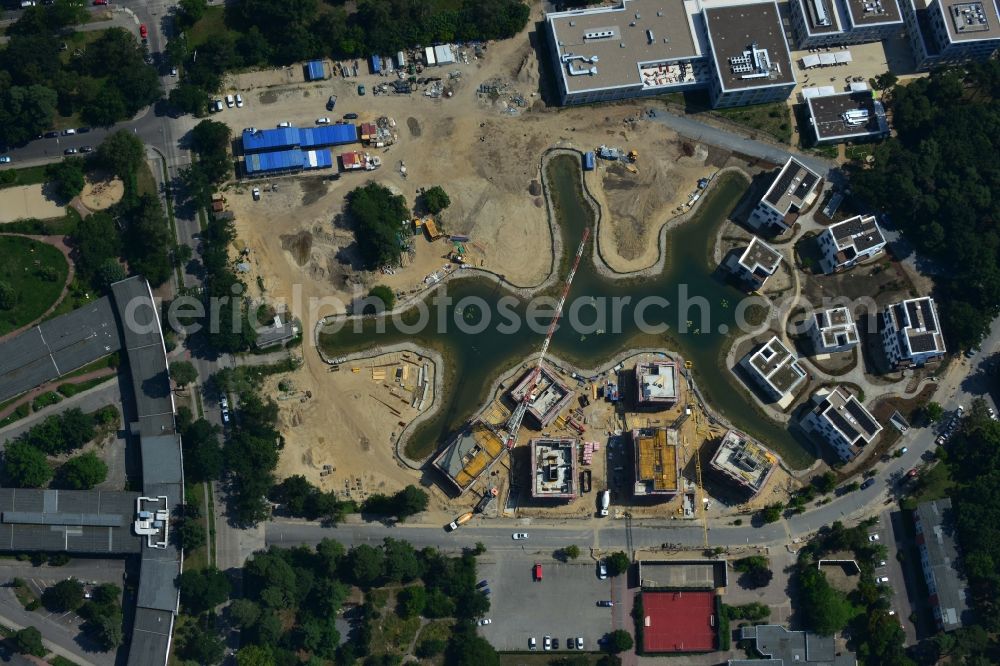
(825, 482)
(401, 562)
(67, 177)
(755, 570)
(121, 153)
(201, 645)
(885, 81)
(183, 373)
(384, 294)
(825, 610)
(431, 647)
(618, 563)
(82, 472)
(771, 513)
(933, 411)
(186, 97)
(203, 459)
(465, 646)
(64, 596)
(412, 601)
(29, 641)
(191, 534)
(190, 12)
(365, 565)
(106, 630)
(255, 655)
(435, 200)
(8, 296)
(618, 641)
(203, 590)
(26, 110)
(24, 466)
(109, 272)
(377, 215)
(243, 613)
(98, 242)
(571, 552)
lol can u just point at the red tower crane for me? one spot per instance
(517, 416)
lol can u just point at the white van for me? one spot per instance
(605, 502)
(229, 101)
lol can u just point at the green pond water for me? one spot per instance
(475, 358)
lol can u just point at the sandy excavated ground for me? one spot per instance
(486, 154)
(26, 201)
(100, 193)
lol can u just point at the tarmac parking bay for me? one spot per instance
(562, 605)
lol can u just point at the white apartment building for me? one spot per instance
(846, 243)
(833, 330)
(775, 368)
(911, 334)
(842, 422)
(794, 188)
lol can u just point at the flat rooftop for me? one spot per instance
(847, 115)
(866, 13)
(748, 45)
(777, 366)
(971, 21)
(837, 327)
(917, 321)
(57, 346)
(843, 411)
(856, 235)
(657, 381)
(553, 464)
(469, 454)
(822, 16)
(760, 258)
(656, 461)
(679, 621)
(792, 187)
(785, 648)
(71, 521)
(743, 461)
(937, 540)
(620, 38)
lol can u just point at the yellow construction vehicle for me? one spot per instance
(633, 156)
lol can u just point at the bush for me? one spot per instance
(771, 513)
(384, 294)
(25, 466)
(619, 641)
(82, 472)
(435, 200)
(29, 641)
(618, 563)
(377, 216)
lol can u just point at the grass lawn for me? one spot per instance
(78, 295)
(24, 260)
(70, 389)
(16, 415)
(211, 26)
(144, 181)
(26, 176)
(44, 400)
(774, 119)
(54, 226)
(62, 661)
(934, 483)
(196, 559)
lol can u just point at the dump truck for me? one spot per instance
(461, 520)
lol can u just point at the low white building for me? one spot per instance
(755, 265)
(775, 368)
(911, 334)
(846, 243)
(842, 422)
(794, 188)
(833, 330)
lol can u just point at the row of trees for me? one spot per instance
(263, 33)
(107, 81)
(291, 597)
(102, 612)
(943, 153)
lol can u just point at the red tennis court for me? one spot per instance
(679, 621)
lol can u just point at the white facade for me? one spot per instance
(833, 330)
(775, 368)
(846, 243)
(934, 42)
(820, 23)
(794, 189)
(911, 333)
(842, 422)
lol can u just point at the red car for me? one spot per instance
(912, 474)
(536, 571)
(142, 31)
(100, 2)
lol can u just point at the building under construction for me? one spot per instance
(743, 462)
(550, 396)
(470, 453)
(553, 468)
(657, 466)
(657, 384)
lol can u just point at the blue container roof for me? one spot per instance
(288, 160)
(292, 137)
(329, 135)
(376, 64)
(270, 139)
(314, 70)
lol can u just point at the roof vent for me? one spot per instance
(572, 24)
(659, 13)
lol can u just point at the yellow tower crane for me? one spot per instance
(700, 498)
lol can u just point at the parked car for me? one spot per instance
(69, 151)
(98, 3)
(224, 408)
(602, 569)
(606, 603)
(51, 135)
(579, 642)
(912, 474)
(284, 123)
(230, 101)
(239, 101)
(361, 90)
(331, 102)
(882, 579)
(323, 121)
(881, 563)
(867, 484)
(547, 642)
(532, 643)
(217, 106)
(873, 538)
(82, 130)
(86, 149)
(4, 159)
(481, 584)
(69, 132)
(255, 193)
(903, 450)
(517, 536)
(486, 591)
(536, 572)
(940, 441)
(555, 643)
(350, 116)
(485, 621)
(143, 31)
(570, 643)
(173, 71)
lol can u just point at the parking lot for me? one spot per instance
(562, 605)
